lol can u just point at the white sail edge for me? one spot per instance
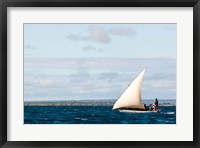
(131, 98)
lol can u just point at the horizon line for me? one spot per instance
(87, 100)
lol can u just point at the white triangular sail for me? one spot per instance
(131, 98)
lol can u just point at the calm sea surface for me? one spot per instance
(95, 115)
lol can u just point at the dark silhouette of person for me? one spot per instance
(156, 103)
(145, 107)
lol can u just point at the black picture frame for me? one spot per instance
(4, 4)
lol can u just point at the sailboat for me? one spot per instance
(130, 100)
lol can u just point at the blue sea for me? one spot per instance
(95, 115)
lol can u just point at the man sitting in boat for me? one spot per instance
(145, 107)
(152, 107)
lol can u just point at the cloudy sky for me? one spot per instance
(98, 61)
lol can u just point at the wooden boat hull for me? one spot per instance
(139, 111)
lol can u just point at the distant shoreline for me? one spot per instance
(87, 103)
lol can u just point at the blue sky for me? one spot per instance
(98, 61)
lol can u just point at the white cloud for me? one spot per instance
(96, 78)
(77, 37)
(98, 34)
(92, 48)
(89, 48)
(101, 35)
(164, 84)
(122, 31)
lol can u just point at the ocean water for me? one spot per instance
(95, 115)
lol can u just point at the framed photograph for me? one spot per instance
(99, 73)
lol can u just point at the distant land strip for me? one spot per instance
(79, 103)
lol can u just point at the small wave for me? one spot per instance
(169, 113)
(92, 115)
(84, 119)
